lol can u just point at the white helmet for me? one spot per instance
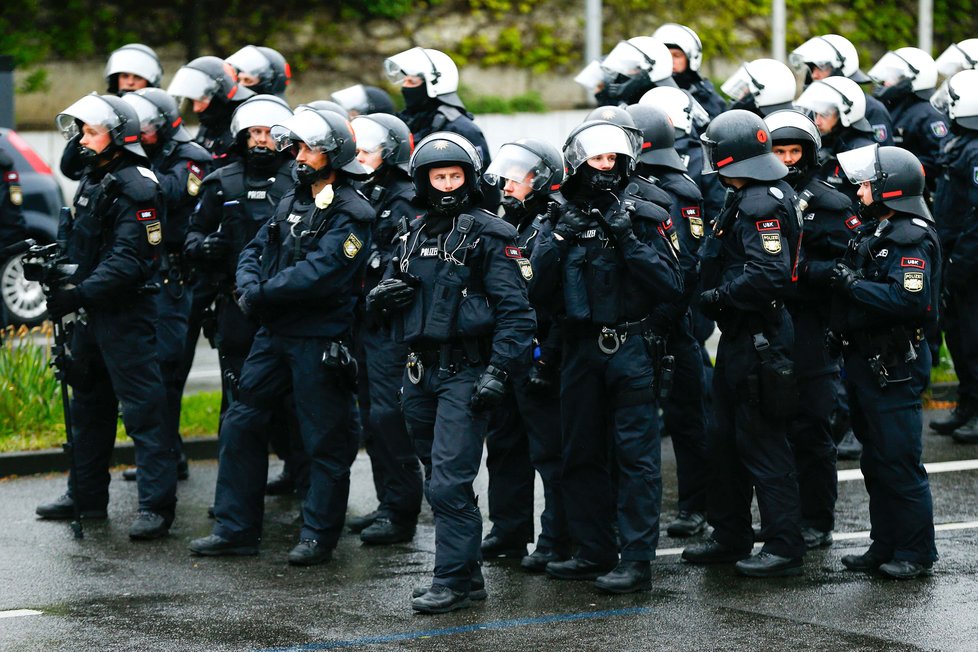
(768, 82)
(906, 63)
(591, 75)
(958, 56)
(681, 107)
(829, 51)
(439, 72)
(641, 53)
(958, 97)
(684, 38)
(839, 94)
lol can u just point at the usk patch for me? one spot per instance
(146, 214)
(913, 281)
(154, 233)
(526, 270)
(853, 223)
(913, 262)
(352, 245)
(768, 225)
(513, 252)
(771, 242)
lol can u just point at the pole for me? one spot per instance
(925, 26)
(592, 35)
(778, 30)
(6, 91)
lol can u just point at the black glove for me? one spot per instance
(246, 302)
(390, 294)
(833, 343)
(541, 379)
(216, 246)
(572, 221)
(620, 223)
(630, 91)
(64, 301)
(710, 303)
(843, 278)
(489, 389)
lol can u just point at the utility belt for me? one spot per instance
(889, 354)
(448, 358)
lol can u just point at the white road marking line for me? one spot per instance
(17, 613)
(933, 467)
(842, 536)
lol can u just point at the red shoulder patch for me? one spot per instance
(145, 214)
(193, 167)
(853, 222)
(668, 223)
(11, 176)
(768, 225)
(690, 211)
(513, 252)
(913, 262)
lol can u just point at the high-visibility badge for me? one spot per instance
(525, 268)
(771, 242)
(194, 178)
(154, 233)
(352, 245)
(913, 281)
(16, 195)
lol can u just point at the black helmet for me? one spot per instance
(364, 99)
(159, 112)
(658, 137)
(268, 66)
(108, 112)
(324, 131)
(136, 59)
(527, 156)
(737, 144)
(791, 126)
(896, 177)
(386, 133)
(259, 111)
(593, 138)
(324, 105)
(614, 114)
(445, 149)
(208, 78)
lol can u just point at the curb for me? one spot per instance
(54, 460)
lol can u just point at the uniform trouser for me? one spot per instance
(117, 356)
(234, 336)
(684, 416)
(448, 438)
(541, 418)
(961, 335)
(748, 449)
(173, 304)
(889, 423)
(276, 365)
(810, 432)
(511, 475)
(610, 396)
(367, 439)
(391, 450)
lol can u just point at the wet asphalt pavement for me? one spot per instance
(105, 593)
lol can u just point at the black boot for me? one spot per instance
(864, 563)
(959, 416)
(967, 433)
(536, 561)
(440, 599)
(280, 485)
(308, 552)
(628, 577)
(386, 531)
(495, 547)
(764, 564)
(63, 509)
(358, 524)
(849, 448)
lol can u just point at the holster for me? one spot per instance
(778, 385)
(341, 365)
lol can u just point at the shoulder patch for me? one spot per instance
(975, 175)
(16, 194)
(771, 242)
(526, 270)
(195, 177)
(913, 281)
(939, 128)
(920, 222)
(913, 262)
(879, 133)
(513, 252)
(768, 225)
(146, 172)
(146, 214)
(351, 246)
(154, 233)
(776, 192)
(853, 222)
(11, 177)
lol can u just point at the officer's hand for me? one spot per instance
(216, 246)
(246, 303)
(833, 343)
(390, 294)
(620, 224)
(64, 301)
(541, 379)
(843, 278)
(572, 221)
(710, 303)
(631, 90)
(489, 389)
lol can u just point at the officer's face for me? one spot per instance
(131, 82)
(821, 73)
(412, 81)
(679, 60)
(865, 193)
(95, 138)
(373, 160)
(248, 80)
(446, 179)
(789, 154)
(312, 157)
(826, 122)
(259, 137)
(603, 162)
(201, 105)
(518, 190)
(149, 137)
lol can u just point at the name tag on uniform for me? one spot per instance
(429, 252)
(590, 233)
(257, 194)
(293, 219)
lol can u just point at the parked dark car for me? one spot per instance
(43, 199)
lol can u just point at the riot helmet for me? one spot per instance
(762, 86)
(103, 112)
(210, 80)
(681, 107)
(836, 96)
(636, 65)
(895, 175)
(829, 51)
(446, 149)
(364, 100)
(261, 69)
(958, 98)
(737, 144)
(682, 38)
(136, 59)
(325, 132)
(158, 114)
(959, 56)
(386, 134)
(324, 105)
(437, 70)
(594, 138)
(791, 127)
(658, 137)
(901, 72)
(530, 162)
(259, 111)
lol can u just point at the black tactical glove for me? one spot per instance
(390, 294)
(246, 300)
(489, 389)
(572, 221)
(216, 246)
(620, 222)
(710, 303)
(833, 343)
(64, 301)
(541, 379)
(630, 91)
(843, 278)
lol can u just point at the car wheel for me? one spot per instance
(23, 300)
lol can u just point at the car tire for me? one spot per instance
(23, 301)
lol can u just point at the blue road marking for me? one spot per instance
(448, 631)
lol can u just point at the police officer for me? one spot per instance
(839, 109)
(886, 288)
(687, 57)
(235, 201)
(384, 146)
(746, 273)
(831, 55)
(360, 99)
(13, 229)
(524, 432)
(212, 87)
(300, 276)
(955, 206)
(180, 166)
(683, 404)
(262, 70)
(959, 56)
(456, 291)
(829, 224)
(761, 86)
(604, 265)
(632, 68)
(116, 239)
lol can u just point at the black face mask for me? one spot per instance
(308, 175)
(88, 155)
(686, 78)
(448, 203)
(893, 95)
(415, 98)
(747, 104)
(874, 211)
(601, 181)
(262, 159)
(511, 204)
(214, 116)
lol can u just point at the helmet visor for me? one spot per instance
(625, 59)
(306, 127)
(817, 52)
(413, 62)
(151, 119)
(259, 111)
(591, 76)
(861, 164)
(136, 62)
(250, 61)
(890, 70)
(954, 59)
(520, 165)
(90, 110)
(740, 84)
(600, 139)
(352, 98)
(821, 99)
(942, 98)
(193, 84)
(372, 136)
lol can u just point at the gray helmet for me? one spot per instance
(208, 78)
(259, 111)
(136, 59)
(364, 99)
(658, 137)
(324, 131)
(737, 144)
(108, 112)
(159, 112)
(896, 177)
(794, 126)
(387, 133)
(265, 64)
